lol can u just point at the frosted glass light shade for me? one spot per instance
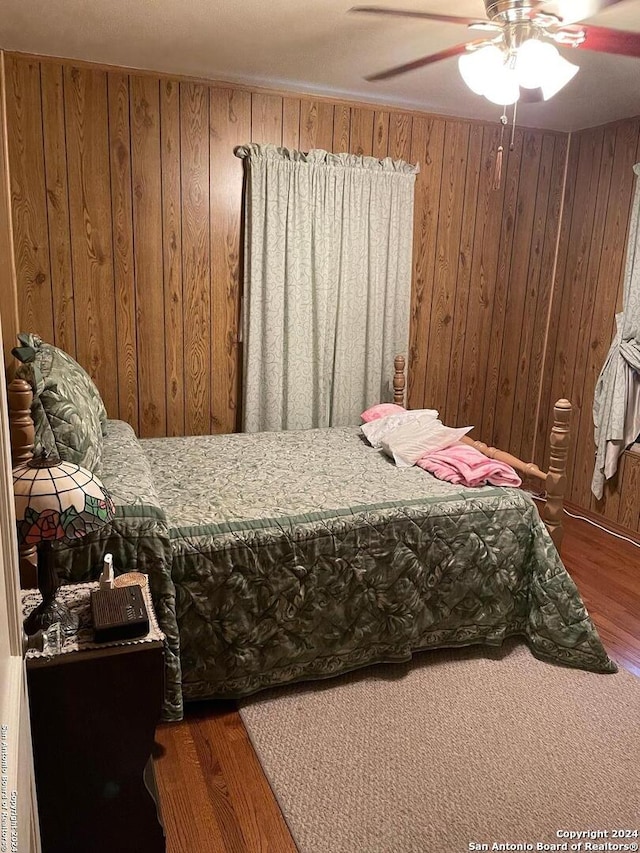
(477, 67)
(562, 73)
(503, 87)
(535, 59)
(539, 65)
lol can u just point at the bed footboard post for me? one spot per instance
(556, 478)
(399, 381)
(20, 397)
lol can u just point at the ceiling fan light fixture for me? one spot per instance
(478, 67)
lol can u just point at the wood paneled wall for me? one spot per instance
(127, 227)
(587, 294)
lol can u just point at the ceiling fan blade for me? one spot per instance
(456, 50)
(606, 40)
(408, 13)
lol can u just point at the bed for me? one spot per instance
(276, 557)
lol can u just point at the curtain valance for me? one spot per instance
(319, 157)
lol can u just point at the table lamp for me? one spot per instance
(55, 500)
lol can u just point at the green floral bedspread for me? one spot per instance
(304, 554)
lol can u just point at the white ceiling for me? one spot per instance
(316, 46)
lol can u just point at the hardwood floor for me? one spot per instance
(215, 798)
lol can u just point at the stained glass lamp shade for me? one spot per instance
(56, 500)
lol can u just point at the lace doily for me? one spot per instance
(77, 598)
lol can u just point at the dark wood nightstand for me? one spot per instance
(94, 710)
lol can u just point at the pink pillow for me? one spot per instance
(381, 410)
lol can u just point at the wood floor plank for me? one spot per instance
(190, 820)
(214, 795)
(250, 795)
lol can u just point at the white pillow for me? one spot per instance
(408, 443)
(376, 431)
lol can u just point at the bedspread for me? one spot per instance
(302, 555)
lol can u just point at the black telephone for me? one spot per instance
(119, 614)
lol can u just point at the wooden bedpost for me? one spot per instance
(556, 478)
(20, 397)
(399, 381)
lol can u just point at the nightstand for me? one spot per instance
(94, 710)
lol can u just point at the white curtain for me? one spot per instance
(616, 405)
(327, 284)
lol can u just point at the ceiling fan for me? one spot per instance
(517, 58)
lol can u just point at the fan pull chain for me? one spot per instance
(513, 126)
(497, 175)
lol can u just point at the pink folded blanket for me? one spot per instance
(465, 465)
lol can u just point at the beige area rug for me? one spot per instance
(460, 748)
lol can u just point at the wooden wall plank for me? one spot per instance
(609, 504)
(629, 510)
(361, 132)
(590, 150)
(28, 196)
(447, 249)
(533, 326)
(85, 95)
(172, 254)
(400, 136)
(230, 126)
(57, 190)
(499, 291)
(427, 143)
(148, 254)
(380, 134)
(316, 125)
(483, 276)
(584, 379)
(341, 128)
(266, 119)
(123, 263)
(513, 354)
(547, 398)
(290, 122)
(196, 267)
(588, 171)
(463, 280)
